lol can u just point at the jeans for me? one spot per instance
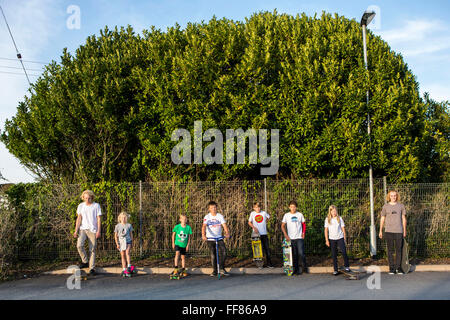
(222, 254)
(298, 250)
(394, 243)
(265, 247)
(334, 244)
(92, 240)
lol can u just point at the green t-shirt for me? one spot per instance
(182, 235)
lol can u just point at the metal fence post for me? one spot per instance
(385, 188)
(140, 218)
(265, 195)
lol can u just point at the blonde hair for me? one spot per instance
(89, 192)
(388, 199)
(330, 216)
(122, 215)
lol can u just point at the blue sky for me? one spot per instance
(416, 29)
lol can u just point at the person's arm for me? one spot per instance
(225, 228)
(189, 241)
(99, 225)
(204, 232)
(173, 240)
(77, 225)
(404, 225)
(327, 242)
(381, 226)
(117, 240)
(345, 236)
(283, 228)
(253, 227)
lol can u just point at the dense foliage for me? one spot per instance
(107, 112)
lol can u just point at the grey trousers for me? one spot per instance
(92, 241)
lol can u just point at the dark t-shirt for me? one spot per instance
(393, 214)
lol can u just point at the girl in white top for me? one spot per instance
(335, 237)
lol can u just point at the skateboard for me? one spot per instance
(287, 258)
(405, 265)
(131, 272)
(352, 275)
(178, 274)
(257, 250)
(84, 274)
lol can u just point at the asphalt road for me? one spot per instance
(417, 285)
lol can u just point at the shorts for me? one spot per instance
(181, 249)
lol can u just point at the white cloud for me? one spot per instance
(437, 91)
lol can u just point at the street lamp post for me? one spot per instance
(365, 20)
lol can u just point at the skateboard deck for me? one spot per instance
(352, 275)
(85, 275)
(405, 265)
(177, 275)
(257, 251)
(287, 258)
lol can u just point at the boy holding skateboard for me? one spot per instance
(180, 243)
(295, 224)
(393, 218)
(258, 222)
(335, 237)
(213, 223)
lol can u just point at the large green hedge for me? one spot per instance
(107, 112)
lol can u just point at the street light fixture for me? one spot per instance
(365, 20)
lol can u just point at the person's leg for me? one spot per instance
(341, 244)
(212, 251)
(398, 250)
(183, 261)
(222, 254)
(128, 255)
(92, 248)
(301, 253)
(266, 250)
(124, 261)
(80, 246)
(177, 258)
(390, 250)
(295, 260)
(333, 246)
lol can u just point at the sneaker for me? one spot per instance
(126, 273)
(335, 273)
(400, 271)
(224, 273)
(213, 274)
(270, 266)
(132, 269)
(92, 272)
(391, 271)
(83, 265)
(348, 270)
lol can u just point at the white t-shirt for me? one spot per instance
(335, 228)
(213, 225)
(259, 221)
(294, 224)
(89, 216)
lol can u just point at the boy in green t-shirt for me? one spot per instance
(180, 243)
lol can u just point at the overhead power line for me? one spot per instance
(28, 61)
(19, 56)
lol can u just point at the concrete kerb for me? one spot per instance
(165, 270)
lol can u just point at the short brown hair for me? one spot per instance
(212, 203)
(257, 204)
(293, 202)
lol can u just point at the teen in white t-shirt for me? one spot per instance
(335, 237)
(213, 223)
(295, 224)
